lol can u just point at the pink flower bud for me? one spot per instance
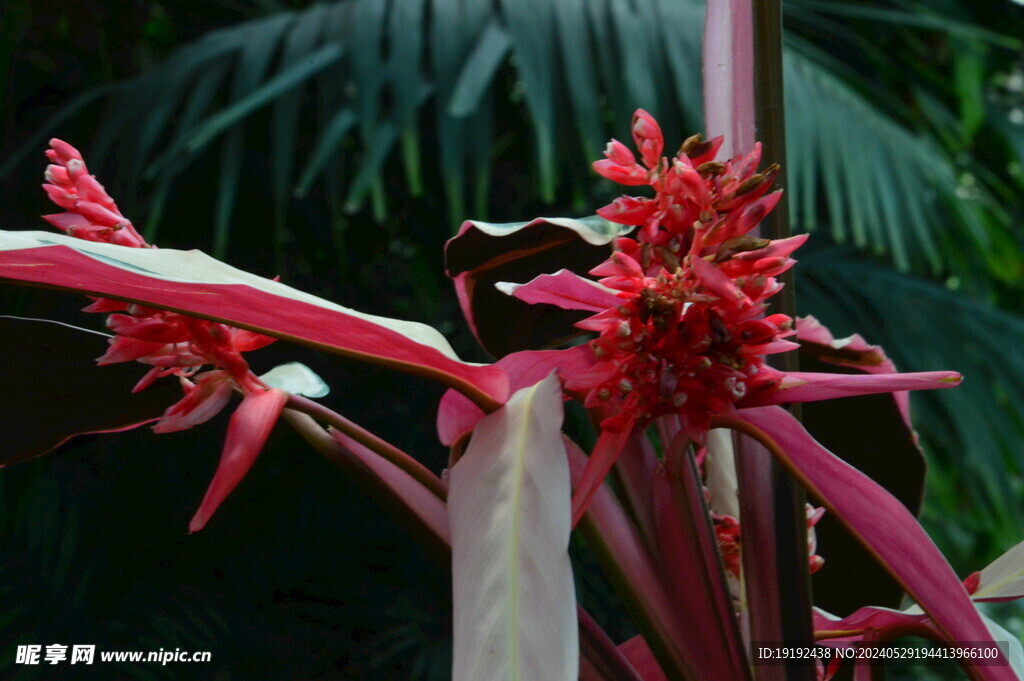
(628, 210)
(76, 169)
(99, 215)
(57, 175)
(60, 196)
(755, 331)
(628, 175)
(618, 153)
(648, 138)
(91, 190)
(64, 151)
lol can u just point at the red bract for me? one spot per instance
(172, 344)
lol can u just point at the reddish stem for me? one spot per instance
(418, 471)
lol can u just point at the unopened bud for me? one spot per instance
(739, 244)
(56, 175)
(618, 153)
(690, 144)
(76, 168)
(711, 168)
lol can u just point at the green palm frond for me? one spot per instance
(973, 430)
(336, 91)
(887, 189)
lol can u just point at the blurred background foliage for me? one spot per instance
(340, 144)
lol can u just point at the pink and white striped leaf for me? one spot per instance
(193, 283)
(508, 508)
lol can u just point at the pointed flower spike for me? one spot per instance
(248, 431)
(806, 386)
(565, 290)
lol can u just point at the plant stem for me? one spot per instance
(388, 451)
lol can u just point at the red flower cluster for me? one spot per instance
(680, 309)
(698, 201)
(172, 344)
(728, 534)
(91, 213)
(690, 335)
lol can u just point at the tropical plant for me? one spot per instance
(319, 105)
(705, 541)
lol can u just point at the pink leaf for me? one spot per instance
(887, 452)
(885, 527)
(640, 656)
(607, 448)
(398, 491)
(853, 352)
(483, 254)
(632, 567)
(600, 659)
(689, 552)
